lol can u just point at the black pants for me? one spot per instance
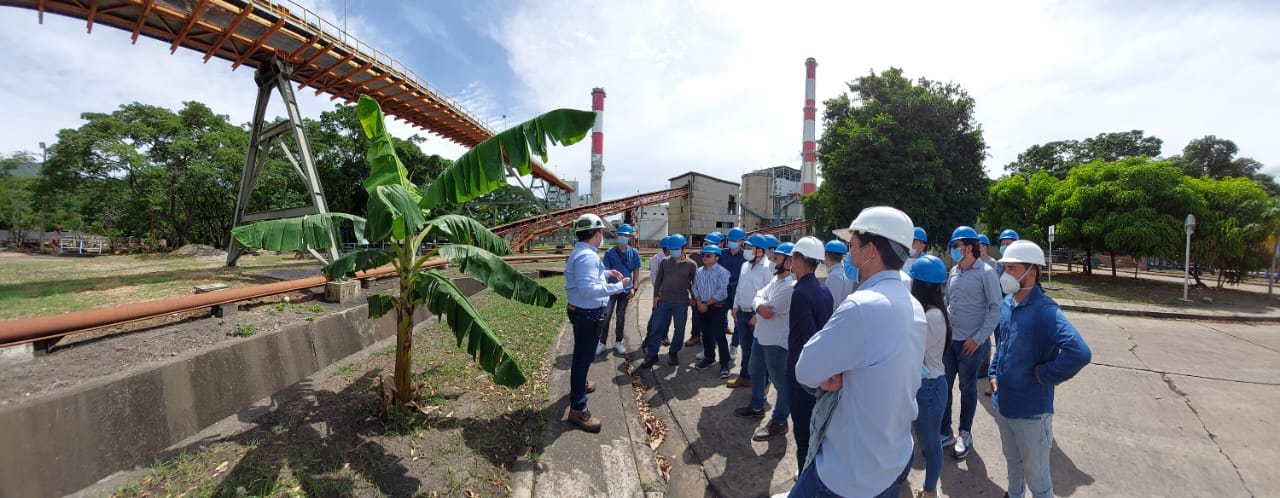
(801, 411)
(713, 338)
(618, 309)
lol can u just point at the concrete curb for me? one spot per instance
(1167, 314)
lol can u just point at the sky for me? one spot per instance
(718, 87)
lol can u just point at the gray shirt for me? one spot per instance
(973, 301)
(674, 282)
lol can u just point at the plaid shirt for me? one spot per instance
(711, 283)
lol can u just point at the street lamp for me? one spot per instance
(1186, 268)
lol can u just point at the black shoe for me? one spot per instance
(747, 412)
(770, 430)
(706, 362)
(649, 361)
(673, 358)
(724, 373)
(666, 342)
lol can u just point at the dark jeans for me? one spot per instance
(745, 332)
(617, 309)
(663, 316)
(801, 411)
(728, 305)
(585, 323)
(809, 484)
(965, 367)
(714, 321)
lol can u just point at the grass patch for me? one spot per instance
(244, 330)
(1102, 287)
(341, 443)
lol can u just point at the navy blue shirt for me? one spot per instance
(626, 260)
(811, 307)
(733, 263)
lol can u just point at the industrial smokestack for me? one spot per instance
(597, 145)
(808, 171)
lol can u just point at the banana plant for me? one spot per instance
(399, 215)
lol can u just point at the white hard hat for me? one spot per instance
(809, 247)
(884, 221)
(587, 222)
(1023, 251)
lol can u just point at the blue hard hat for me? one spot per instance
(921, 235)
(625, 229)
(770, 241)
(785, 248)
(757, 240)
(1008, 233)
(714, 238)
(677, 241)
(737, 234)
(964, 232)
(665, 243)
(982, 239)
(929, 269)
(837, 247)
(711, 250)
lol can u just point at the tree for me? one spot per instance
(16, 197)
(1135, 206)
(1231, 234)
(913, 145)
(1209, 156)
(1018, 201)
(1057, 158)
(398, 212)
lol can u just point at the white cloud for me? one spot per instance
(718, 87)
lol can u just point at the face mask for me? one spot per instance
(748, 254)
(675, 253)
(915, 253)
(1002, 250)
(733, 246)
(851, 270)
(956, 255)
(622, 241)
(1011, 285)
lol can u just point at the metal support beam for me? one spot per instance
(274, 77)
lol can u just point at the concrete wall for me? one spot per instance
(63, 442)
(706, 209)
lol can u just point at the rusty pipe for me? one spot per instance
(30, 329)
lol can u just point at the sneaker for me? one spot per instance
(733, 353)
(724, 373)
(702, 365)
(739, 382)
(948, 440)
(600, 348)
(700, 355)
(963, 444)
(673, 358)
(649, 361)
(769, 430)
(620, 347)
(584, 420)
(748, 412)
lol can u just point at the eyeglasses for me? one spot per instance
(708, 255)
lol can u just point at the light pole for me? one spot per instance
(1186, 268)
(1051, 233)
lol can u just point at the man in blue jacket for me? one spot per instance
(626, 260)
(1038, 349)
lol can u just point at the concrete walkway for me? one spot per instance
(1167, 408)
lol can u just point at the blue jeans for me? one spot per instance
(930, 397)
(662, 318)
(1026, 443)
(801, 413)
(714, 322)
(769, 363)
(809, 484)
(745, 332)
(966, 368)
(586, 326)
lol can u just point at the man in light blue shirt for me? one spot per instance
(710, 291)
(973, 303)
(588, 290)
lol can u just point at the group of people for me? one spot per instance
(858, 361)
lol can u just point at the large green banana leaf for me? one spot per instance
(463, 230)
(482, 169)
(444, 299)
(392, 210)
(360, 260)
(385, 167)
(497, 275)
(315, 231)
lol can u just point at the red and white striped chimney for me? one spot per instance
(808, 172)
(597, 145)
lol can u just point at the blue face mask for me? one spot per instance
(622, 241)
(956, 255)
(850, 271)
(675, 253)
(1002, 250)
(733, 246)
(915, 253)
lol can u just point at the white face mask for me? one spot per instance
(1011, 285)
(749, 254)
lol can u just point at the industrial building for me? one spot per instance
(712, 205)
(771, 197)
(651, 223)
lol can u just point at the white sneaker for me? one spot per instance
(700, 356)
(620, 347)
(733, 353)
(600, 348)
